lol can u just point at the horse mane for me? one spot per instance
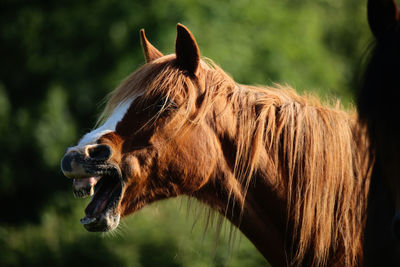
(314, 152)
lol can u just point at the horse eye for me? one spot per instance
(165, 104)
(160, 103)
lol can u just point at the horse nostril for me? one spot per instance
(99, 152)
(66, 163)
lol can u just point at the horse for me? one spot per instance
(292, 174)
(377, 107)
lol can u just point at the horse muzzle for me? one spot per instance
(83, 162)
(95, 175)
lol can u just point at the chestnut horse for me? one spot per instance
(379, 110)
(290, 173)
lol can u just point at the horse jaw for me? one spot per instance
(102, 213)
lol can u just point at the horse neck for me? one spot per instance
(258, 210)
(261, 218)
(257, 204)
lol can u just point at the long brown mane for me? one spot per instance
(316, 155)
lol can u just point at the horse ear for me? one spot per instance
(382, 16)
(150, 52)
(186, 50)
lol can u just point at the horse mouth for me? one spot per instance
(102, 213)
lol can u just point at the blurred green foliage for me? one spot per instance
(60, 58)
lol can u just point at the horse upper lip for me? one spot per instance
(77, 165)
(83, 169)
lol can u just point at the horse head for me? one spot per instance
(146, 149)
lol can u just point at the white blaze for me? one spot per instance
(108, 127)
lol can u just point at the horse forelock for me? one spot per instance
(315, 153)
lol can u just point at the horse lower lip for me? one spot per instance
(87, 220)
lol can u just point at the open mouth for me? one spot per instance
(102, 213)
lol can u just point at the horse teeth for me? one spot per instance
(87, 220)
(78, 194)
(84, 187)
(84, 192)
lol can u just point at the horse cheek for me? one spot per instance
(131, 168)
(195, 161)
